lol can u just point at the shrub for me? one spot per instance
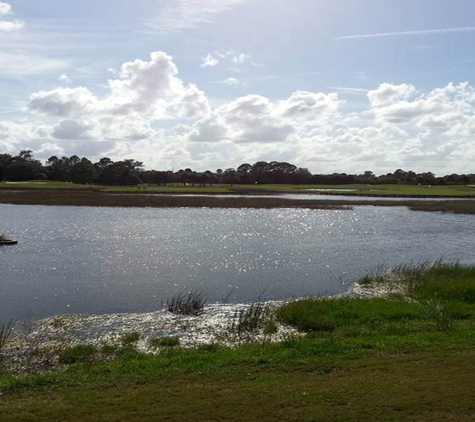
(191, 303)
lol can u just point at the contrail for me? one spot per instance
(406, 33)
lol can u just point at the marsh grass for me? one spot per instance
(327, 315)
(164, 342)
(257, 317)
(82, 353)
(187, 303)
(130, 339)
(6, 330)
(438, 292)
(442, 313)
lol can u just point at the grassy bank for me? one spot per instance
(406, 357)
(458, 191)
(104, 199)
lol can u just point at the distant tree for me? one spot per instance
(83, 171)
(22, 167)
(5, 160)
(126, 172)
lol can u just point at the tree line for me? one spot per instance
(24, 167)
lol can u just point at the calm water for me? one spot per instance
(99, 260)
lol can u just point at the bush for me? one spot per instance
(191, 303)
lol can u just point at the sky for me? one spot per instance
(332, 86)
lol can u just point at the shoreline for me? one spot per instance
(141, 200)
(214, 325)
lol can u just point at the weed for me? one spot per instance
(130, 339)
(249, 321)
(82, 353)
(209, 348)
(164, 342)
(441, 312)
(191, 303)
(5, 332)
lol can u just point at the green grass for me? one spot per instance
(409, 357)
(365, 190)
(164, 342)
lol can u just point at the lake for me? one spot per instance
(102, 260)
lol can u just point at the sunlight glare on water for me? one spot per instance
(98, 260)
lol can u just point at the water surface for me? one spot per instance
(100, 260)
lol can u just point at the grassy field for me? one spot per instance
(362, 190)
(408, 357)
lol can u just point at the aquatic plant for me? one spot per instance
(6, 329)
(187, 303)
(249, 321)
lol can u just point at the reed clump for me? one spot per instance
(187, 303)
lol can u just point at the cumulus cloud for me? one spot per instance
(5, 9)
(146, 88)
(309, 106)
(71, 129)
(235, 60)
(210, 61)
(9, 26)
(388, 93)
(64, 102)
(440, 107)
(65, 79)
(401, 127)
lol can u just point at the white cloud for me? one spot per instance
(9, 26)
(187, 14)
(210, 61)
(149, 89)
(241, 58)
(71, 129)
(65, 79)
(309, 106)
(64, 102)
(400, 127)
(388, 93)
(5, 9)
(231, 81)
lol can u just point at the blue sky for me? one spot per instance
(332, 86)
